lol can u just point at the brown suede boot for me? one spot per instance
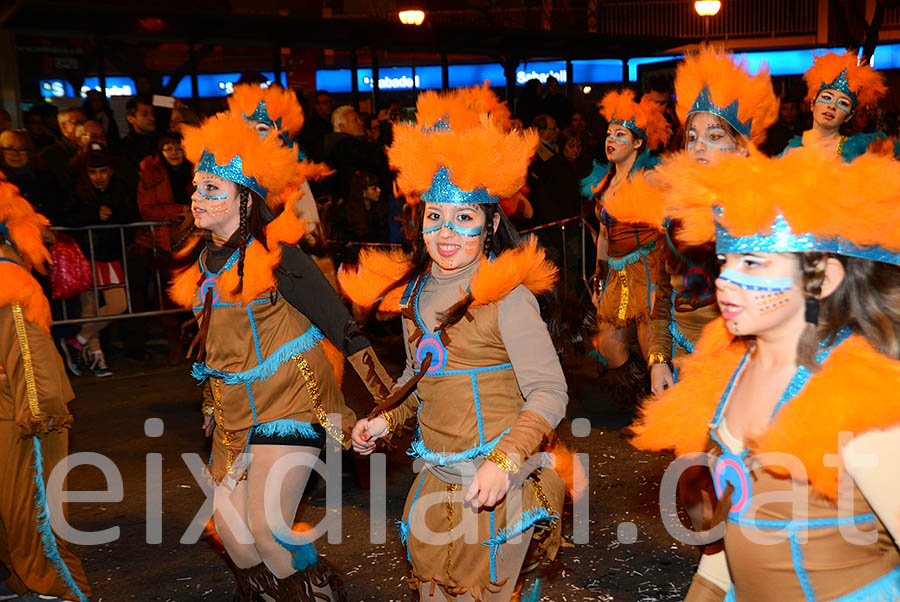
(299, 586)
(247, 583)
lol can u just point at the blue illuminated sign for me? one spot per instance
(474, 75)
(597, 71)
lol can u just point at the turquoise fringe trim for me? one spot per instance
(534, 593)
(418, 450)
(635, 256)
(679, 337)
(403, 527)
(301, 344)
(285, 427)
(48, 539)
(526, 521)
(303, 555)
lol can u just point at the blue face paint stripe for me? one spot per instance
(756, 283)
(623, 140)
(212, 197)
(476, 231)
(833, 102)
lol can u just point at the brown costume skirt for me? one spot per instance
(457, 549)
(627, 295)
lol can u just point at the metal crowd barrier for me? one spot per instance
(563, 225)
(129, 312)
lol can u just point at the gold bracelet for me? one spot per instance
(656, 358)
(389, 419)
(208, 410)
(502, 461)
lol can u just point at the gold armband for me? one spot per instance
(656, 358)
(502, 461)
(389, 419)
(208, 410)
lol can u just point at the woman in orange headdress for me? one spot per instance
(271, 393)
(482, 378)
(838, 87)
(792, 391)
(34, 415)
(626, 296)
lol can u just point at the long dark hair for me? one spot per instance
(867, 301)
(254, 217)
(495, 242)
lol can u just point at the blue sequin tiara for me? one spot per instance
(443, 190)
(261, 114)
(704, 104)
(233, 171)
(782, 239)
(840, 84)
(631, 125)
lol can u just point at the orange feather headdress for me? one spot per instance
(460, 149)
(23, 226)
(226, 147)
(774, 204)
(273, 106)
(841, 72)
(714, 82)
(646, 118)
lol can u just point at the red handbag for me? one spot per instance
(70, 272)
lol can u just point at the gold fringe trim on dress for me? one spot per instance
(312, 387)
(227, 436)
(25, 349)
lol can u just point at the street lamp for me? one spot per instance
(411, 17)
(707, 8)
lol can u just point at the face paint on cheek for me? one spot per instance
(472, 247)
(219, 210)
(756, 283)
(769, 303)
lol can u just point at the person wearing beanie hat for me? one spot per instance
(34, 415)
(271, 389)
(792, 391)
(625, 297)
(837, 87)
(482, 376)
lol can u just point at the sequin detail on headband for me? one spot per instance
(443, 190)
(840, 84)
(704, 104)
(232, 171)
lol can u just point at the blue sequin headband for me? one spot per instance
(261, 114)
(443, 190)
(704, 104)
(630, 124)
(840, 84)
(232, 171)
(782, 239)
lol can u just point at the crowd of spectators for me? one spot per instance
(75, 167)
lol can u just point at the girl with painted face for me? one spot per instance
(837, 88)
(726, 112)
(482, 377)
(625, 297)
(275, 113)
(271, 397)
(793, 389)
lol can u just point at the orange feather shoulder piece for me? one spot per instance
(678, 419)
(855, 391)
(526, 265)
(638, 200)
(20, 288)
(377, 275)
(184, 286)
